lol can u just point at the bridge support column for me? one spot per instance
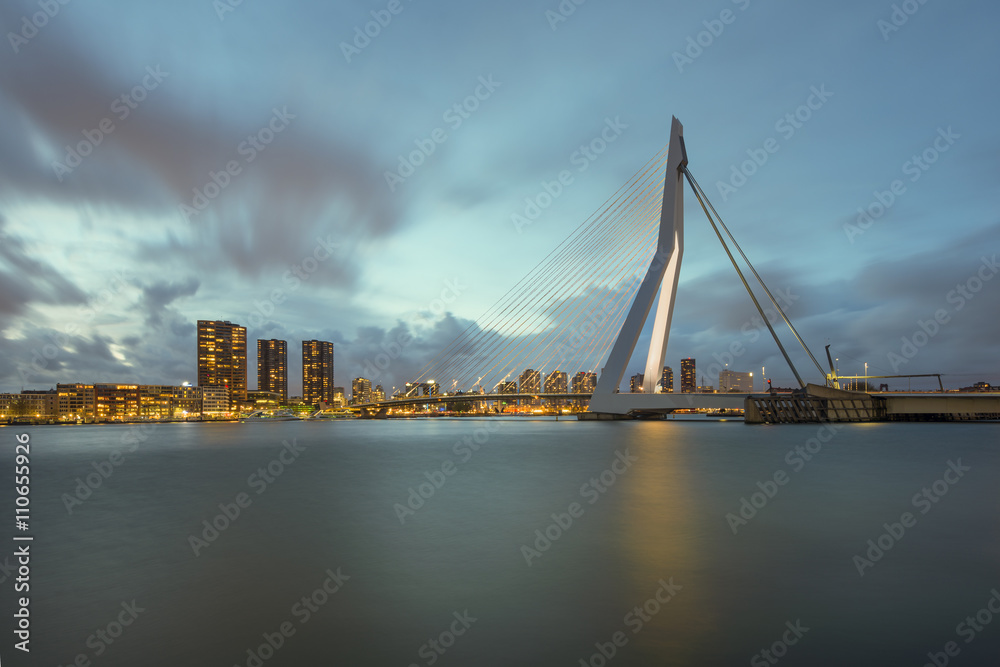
(661, 276)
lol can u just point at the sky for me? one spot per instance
(169, 162)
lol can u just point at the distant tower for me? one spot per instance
(689, 379)
(272, 367)
(635, 385)
(222, 357)
(317, 371)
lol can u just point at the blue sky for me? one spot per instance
(102, 275)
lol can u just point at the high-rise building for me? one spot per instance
(506, 387)
(734, 381)
(584, 383)
(222, 357)
(689, 380)
(557, 383)
(317, 372)
(667, 381)
(272, 367)
(635, 384)
(361, 391)
(338, 398)
(378, 394)
(530, 382)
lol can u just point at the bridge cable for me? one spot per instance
(567, 282)
(761, 281)
(732, 259)
(547, 270)
(575, 313)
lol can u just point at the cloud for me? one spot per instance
(27, 280)
(306, 183)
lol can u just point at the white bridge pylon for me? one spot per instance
(661, 276)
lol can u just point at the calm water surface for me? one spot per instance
(341, 504)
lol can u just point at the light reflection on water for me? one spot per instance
(662, 519)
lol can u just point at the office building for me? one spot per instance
(689, 380)
(584, 382)
(265, 400)
(156, 401)
(317, 372)
(557, 383)
(667, 381)
(76, 402)
(187, 401)
(732, 381)
(116, 402)
(635, 384)
(530, 382)
(506, 387)
(272, 368)
(222, 357)
(30, 404)
(215, 401)
(361, 391)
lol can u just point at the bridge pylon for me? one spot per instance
(661, 276)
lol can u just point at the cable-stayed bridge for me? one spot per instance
(570, 326)
(568, 330)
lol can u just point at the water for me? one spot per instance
(401, 584)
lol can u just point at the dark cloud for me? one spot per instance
(305, 185)
(26, 280)
(158, 296)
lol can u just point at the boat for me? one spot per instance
(270, 416)
(341, 413)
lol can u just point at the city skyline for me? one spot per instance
(866, 227)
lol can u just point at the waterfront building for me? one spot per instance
(272, 367)
(215, 400)
(667, 381)
(733, 381)
(317, 372)
(116, 402)
(76, 402)
(187, 401)
(222, 357)
(689, 380)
